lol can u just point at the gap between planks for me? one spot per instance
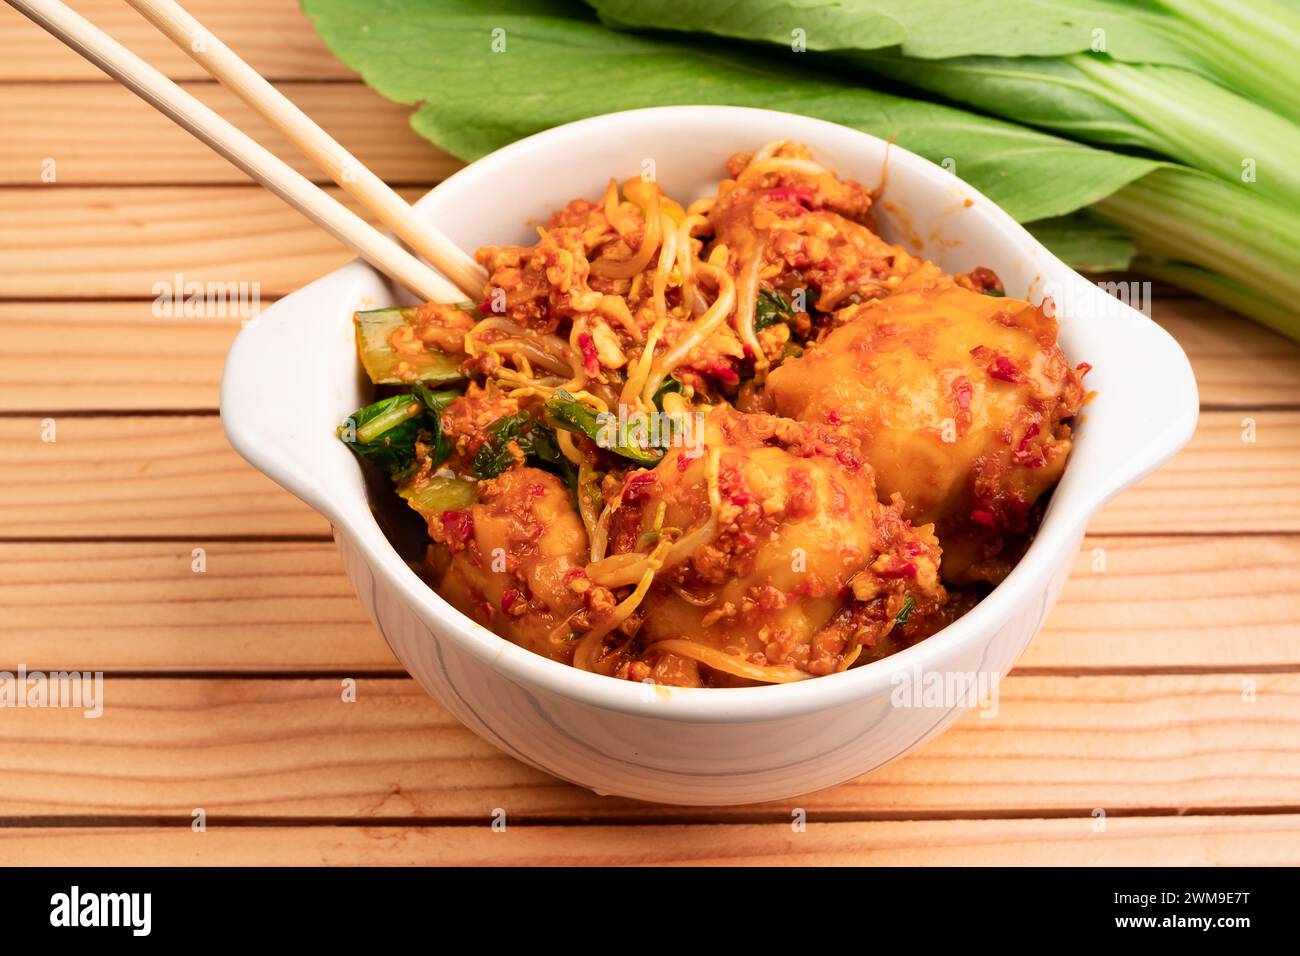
(274, 36)
(1185, 841)
(92, 132)
(699, 816)
(286, 608)
(118, 357)
(122, 242)
(293, 750)
(1217, 841)
(147, 477)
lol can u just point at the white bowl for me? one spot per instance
(292, 376)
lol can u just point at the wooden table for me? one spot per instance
(1156, 719)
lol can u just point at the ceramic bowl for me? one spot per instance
(292, 376)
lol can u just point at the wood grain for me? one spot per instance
(1238, 364)
(78, 356)
(253, 608)
(137, 477)
(1138, 841)
(1153, 604)
(53, 241)
(293, 749)
(1131, 701)
(95, 132)
(1221, 482)
(119, 356)
(1160, 604)
(273, 35)
(148, 476)
(118, 242)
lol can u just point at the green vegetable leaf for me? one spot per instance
(560, 65)
(438, 494)
(487, 74)
(1253, 54)
(589, 494)
(385, 433)
(1166, 110)
(1086, 243)
(909, 602)
(435, 402)
(572, 415)
(1192, 225)
(922, 28)
(772, 307)
(494, 456)
(1229, 292)
(545, 452)
(534, 440)
(668, 386)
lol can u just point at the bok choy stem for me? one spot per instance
(1181, 216)
(389, 418)
(1221, 289)
(1167, 110)
(1251, 46)
(1203, 125)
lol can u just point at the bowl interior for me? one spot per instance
(282, 417)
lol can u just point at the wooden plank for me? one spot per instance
(272, 607)
(119, 476)
(119, 356)
(77, 356)
(54, 242)
(1237, 474)
(137, 477)
(93, 132)
(1238, 364)
(1159, 604)
(120, 241)
(273, 35)
(1137, 841)
(1171, 602)
(294, 749)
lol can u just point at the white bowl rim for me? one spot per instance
(1059, 530)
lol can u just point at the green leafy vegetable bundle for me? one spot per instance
(401, 433)
(1159, 135)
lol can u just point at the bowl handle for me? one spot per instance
(1146, 392)
(286, 386)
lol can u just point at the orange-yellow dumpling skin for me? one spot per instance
(805, 562)
(958, 398)
(512, 555)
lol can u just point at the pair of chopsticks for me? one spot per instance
(467, 277)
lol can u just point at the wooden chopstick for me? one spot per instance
(273, 173)
(225, 65)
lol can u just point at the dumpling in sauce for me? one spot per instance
(513, 555)
(802, 572)
(960, 400)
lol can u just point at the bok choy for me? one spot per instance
(1186, 109)
(568, 413)
(386, 364)
(396, 433)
